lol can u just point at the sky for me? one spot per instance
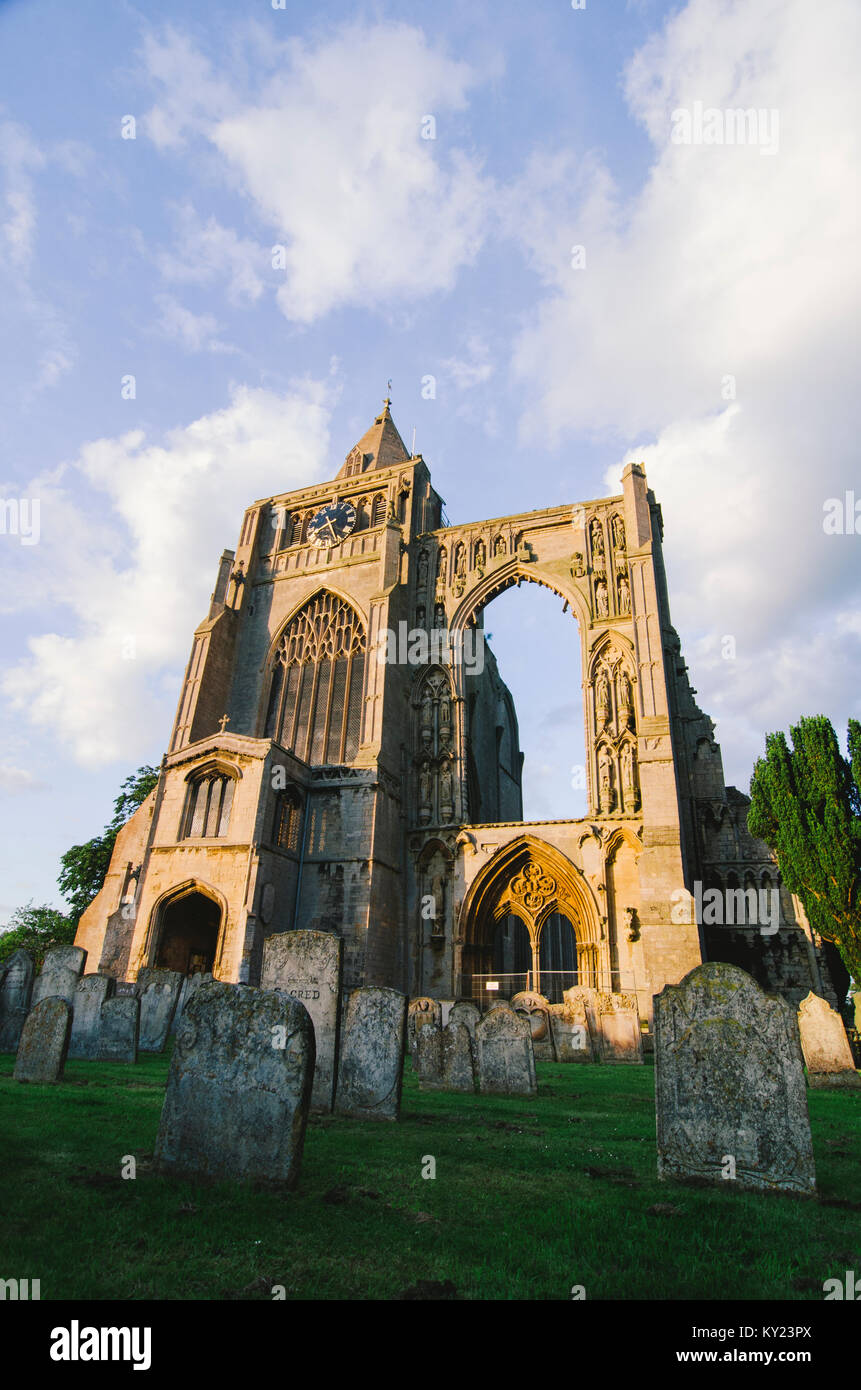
(225, 226)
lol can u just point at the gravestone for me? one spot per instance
(570, 1028)
(503, 1049)
(446, 1006)
(239, 1086)
(90, 995)
(458, 1059)
(15, 993)
(44, 1042)
(730, 1094)
(467, 1013)
(583, 1000)
(824, 1045)
(118, 1034)
(61, 970)
(427, 1056)
(422, 1013)
(371, 1066)
(307, 964)
(159, 992)
(128, 987)
(190, 984)
(620, 1038)
(536, 1010)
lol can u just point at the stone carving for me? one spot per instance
(118, 1034)
(624, 594)
(446, 802)
(602, 701)
(596, 533)
(626, 701)
(536, 1010)
(370, 1071)
(423, 1012)
(15, 992)
(159, 992)
(239, 1086)
(578, 569)
(618, 528)
(90, 995)
(532, 888)
(730, 1083)
(422, 572)
(307, 964)
(44, 1042)
(824, 1044)
(606, 788)
(499, 546)
(629, 777)
(504, 1055)
(61, 970)
(601, 605)
(425, 792)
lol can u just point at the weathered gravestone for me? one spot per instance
(189, 986)
(239, 1086)
(458, 1058)
(446, 1006)
(730, 1094)
(128, 987)
(61, 971)
(159, 992)
(465, 1012)
(118, 1034)
(505, 1061)
(44, 1042)
(422, 1013)
(824, 1044)
(427, 1056)
(570, 1028)
(370, 1071)
(307, 964)
(620, 1038)
(536, 1010)
(90, 995)
(15, 993)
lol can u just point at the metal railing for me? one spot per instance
(551, 983)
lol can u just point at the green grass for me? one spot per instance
(530, 1198)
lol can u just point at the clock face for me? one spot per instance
(332, 524)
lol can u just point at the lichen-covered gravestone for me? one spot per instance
(239, 1086)
(159, 992)
(61, 971)
(570, 1028)
(730, 1094)
(118, 1036)
(465, 1012)
(44, 1042)
(15, 993)
(504, 1057)
(824, 1044)
(458, 1058)
(90, 995)
(307, 964)
(536, 1010)
(370, 1071)
(190, 984)
(620, 1037)
(423, 1012)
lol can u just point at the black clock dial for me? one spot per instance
(332, 523)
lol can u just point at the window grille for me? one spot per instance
(288, 816)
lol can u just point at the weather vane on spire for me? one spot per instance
(388, 399)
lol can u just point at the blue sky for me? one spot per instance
(712, 333)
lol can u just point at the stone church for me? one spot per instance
(345, 758)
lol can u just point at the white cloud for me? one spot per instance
(207, 251)
(132, 574)
(475, 369)
(725, 263)
(194, 332)
(331, 154)
(14, 780)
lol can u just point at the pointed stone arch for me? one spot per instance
(172, 899)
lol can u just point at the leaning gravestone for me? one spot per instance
(371, 1066)
(90, 995)
(118, 1034)
(620, 1037)
(536, 1010)
(730, 1093)
(570, 1028)
(307, 964)
(239, 1086)
(61, 970)
(824, 1044)
(504, 1056)
(458, 1060)
(15, 995)
(189, 986)
(159, 992)
(44, 1042)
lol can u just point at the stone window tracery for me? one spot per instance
(209, 802)
(315, 698)
(288, 818)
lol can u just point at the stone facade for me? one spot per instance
(333, 767)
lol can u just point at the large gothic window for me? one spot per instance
(315, 700)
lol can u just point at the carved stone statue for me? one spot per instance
(602, 701)
(425, 786)
(626, 701)
(439, 616)
(596, 533)
(601, 599)
(578, 569)
(499, 546)
(446, 803)
(480, 555)
(605, 780)
(618, 533)
(423, 571)
(624, 594)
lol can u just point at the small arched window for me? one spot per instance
(209, 803)
(288, 819)
(378, 511)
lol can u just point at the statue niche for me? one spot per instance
(434, 749)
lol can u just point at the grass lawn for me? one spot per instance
(530, 1198)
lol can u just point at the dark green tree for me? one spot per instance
(36, 929)
(85, 866)
(805, 802)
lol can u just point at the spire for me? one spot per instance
(380, 447)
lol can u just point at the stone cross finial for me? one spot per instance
(223, 722)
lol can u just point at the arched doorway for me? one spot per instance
(557, 956)
(188, 931)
